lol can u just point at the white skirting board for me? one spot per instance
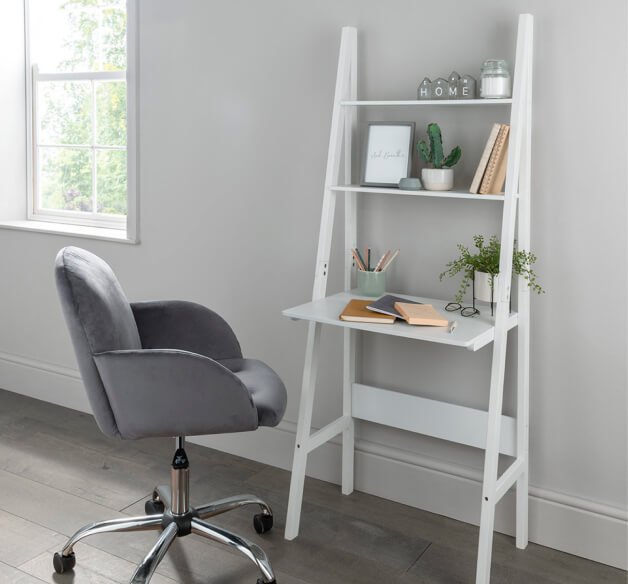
(562, 522)
(51, 383)
(558, 521)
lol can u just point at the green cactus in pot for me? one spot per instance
(433, 154)
(439, 175)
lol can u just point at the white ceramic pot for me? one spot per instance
(483, 287)
(438, 179)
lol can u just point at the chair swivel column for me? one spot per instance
(180, 480)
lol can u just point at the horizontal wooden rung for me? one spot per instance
(430, 417)
(326, 433)
(508, 478)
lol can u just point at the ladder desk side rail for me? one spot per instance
(498, 366)
(344, 85)
(349, 336)
(523, 331)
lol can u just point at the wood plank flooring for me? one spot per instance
(58, 473)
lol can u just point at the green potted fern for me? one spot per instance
(481, 265)
(439, 176)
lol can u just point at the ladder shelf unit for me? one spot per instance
(488, 429)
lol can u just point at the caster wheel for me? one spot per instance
(63, 563)
(260, 581)
(262, 523)
(154, 508)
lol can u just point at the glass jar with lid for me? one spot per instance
(495, 80)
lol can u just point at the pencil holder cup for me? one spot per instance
(371, 283)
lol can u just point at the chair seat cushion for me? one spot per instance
(266, 388)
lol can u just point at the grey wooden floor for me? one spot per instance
(58, 472)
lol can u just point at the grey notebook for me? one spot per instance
(386, 305)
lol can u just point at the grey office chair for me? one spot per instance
(165, 368)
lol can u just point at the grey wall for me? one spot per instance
(234, 116)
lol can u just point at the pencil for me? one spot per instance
(361, 259)
(390, 261)
(357, 260)
(380, 262)
(386, 256)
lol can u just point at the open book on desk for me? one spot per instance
(386, 305)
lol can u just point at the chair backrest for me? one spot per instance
(99, 318)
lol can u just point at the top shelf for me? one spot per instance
(429, 102)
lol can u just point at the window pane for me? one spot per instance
(78, 35)
(65, 179)
(64, 110)
(111, 113)
(111, 181)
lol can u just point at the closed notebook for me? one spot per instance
(499, 177)
(421, 314)
(488, 148)
(356, 311)
(386, 305)
(488, 180)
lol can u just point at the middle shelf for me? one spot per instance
(471, 333)
(421, 193)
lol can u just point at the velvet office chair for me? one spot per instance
(165, 368)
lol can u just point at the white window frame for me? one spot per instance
(82, 218)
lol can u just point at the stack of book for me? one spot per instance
(490, 176)
(388, 308)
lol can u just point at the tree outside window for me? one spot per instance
(81, 121)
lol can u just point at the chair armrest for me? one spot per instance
(176, 324)
(168, 392)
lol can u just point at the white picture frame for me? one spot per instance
(388, 153)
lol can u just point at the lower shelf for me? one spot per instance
(471, 333)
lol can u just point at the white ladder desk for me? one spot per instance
(489, 430)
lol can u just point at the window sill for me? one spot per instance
(102, 233)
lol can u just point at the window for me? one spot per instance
(79, 135)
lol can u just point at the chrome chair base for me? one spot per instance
(173, 525)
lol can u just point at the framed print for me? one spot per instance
(388, 153)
